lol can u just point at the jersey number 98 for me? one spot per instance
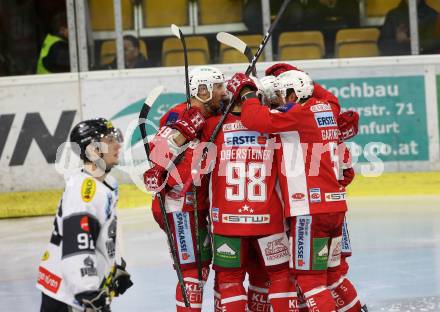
(246, 184)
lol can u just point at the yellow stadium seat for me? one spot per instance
(301, 45)
(229, 55)
(172, 51)
(103, 18)
(220, 12)
(108, 51)
(357, 42)
(380, 8)
(435, 4)
(157, 13)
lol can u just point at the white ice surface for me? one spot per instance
(395, 263)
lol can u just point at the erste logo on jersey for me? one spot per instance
(88, 190)
(325, 119)
(245, 138)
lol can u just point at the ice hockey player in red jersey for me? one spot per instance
(178, 126)
(345, 294)
(313, 198)
(246, 213)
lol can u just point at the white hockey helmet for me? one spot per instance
(204, 75)
(268, 83)
(299, 81)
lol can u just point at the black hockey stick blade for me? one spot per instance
(179, 34)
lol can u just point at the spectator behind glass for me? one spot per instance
(395, 33)
(328, 16)
(54, 54)
(132, 55)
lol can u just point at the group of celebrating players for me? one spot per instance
(269, 196)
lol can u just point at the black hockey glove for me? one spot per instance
(95, 300)
(121, 280)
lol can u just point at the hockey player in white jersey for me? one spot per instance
(79, 270)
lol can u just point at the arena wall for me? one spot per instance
(397, 98)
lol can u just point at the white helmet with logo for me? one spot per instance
(299, 81)
(204, 75)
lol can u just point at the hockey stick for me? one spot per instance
(231, 104)
(154, 94)
(179, 34)
(238, 44)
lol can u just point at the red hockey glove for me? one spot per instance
(279, 68)
(348, 177)
(348, 123)
(153, 178)
(238, 82)
(191, 122)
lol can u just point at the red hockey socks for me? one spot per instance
(343, 291)
(231, 295)
(258, 300)
(194, 290)
(318, 296)
(282, 291)
(345, 296)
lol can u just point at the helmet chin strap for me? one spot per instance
(208, 108)
(204, 101)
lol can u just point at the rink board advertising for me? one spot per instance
(392, 110)
(37, 114)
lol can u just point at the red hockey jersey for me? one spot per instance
(243, 199)
(309, 155)
(182, 170)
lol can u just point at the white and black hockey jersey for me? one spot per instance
(82, 248)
